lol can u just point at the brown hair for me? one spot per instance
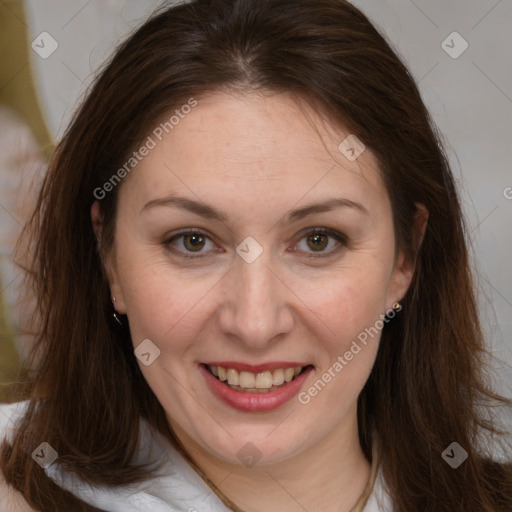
(427, 388)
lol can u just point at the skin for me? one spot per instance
(11, 500)
(255, 157)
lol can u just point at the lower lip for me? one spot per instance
(255, 402)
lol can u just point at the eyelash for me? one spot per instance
(336, 235)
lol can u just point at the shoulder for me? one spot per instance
(10, 499)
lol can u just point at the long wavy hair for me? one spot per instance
(429, 384)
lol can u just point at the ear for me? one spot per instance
(97, 223)
(405, 265)
(420, 225)
(107, 259)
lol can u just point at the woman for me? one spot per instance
(253, 283)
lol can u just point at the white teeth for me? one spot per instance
(278, 377)
(288, 374)
(232, 377)
(264, 380)
(247, 380)
(253, 383)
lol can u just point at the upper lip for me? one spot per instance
(258, 368)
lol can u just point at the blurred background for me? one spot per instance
(458, 52)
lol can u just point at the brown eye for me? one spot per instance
(194, 242)
(190, 244)
(321, 242)
(317, 242)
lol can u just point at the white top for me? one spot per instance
(176, 487)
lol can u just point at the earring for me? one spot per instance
(397, 306)
(114, 314)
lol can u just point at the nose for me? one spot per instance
(257, 305)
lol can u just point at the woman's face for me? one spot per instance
(247, 240)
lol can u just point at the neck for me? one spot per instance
(329, 476)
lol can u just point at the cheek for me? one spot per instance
(349, 300)
(347, 323)
(164, 304)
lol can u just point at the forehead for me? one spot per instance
(255, 146)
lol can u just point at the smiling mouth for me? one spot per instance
(262, 382)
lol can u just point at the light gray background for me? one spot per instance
(470, 99)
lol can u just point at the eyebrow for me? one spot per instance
(209, 212)
(197, 207)
(324, 206)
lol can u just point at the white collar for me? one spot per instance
(174, 486)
